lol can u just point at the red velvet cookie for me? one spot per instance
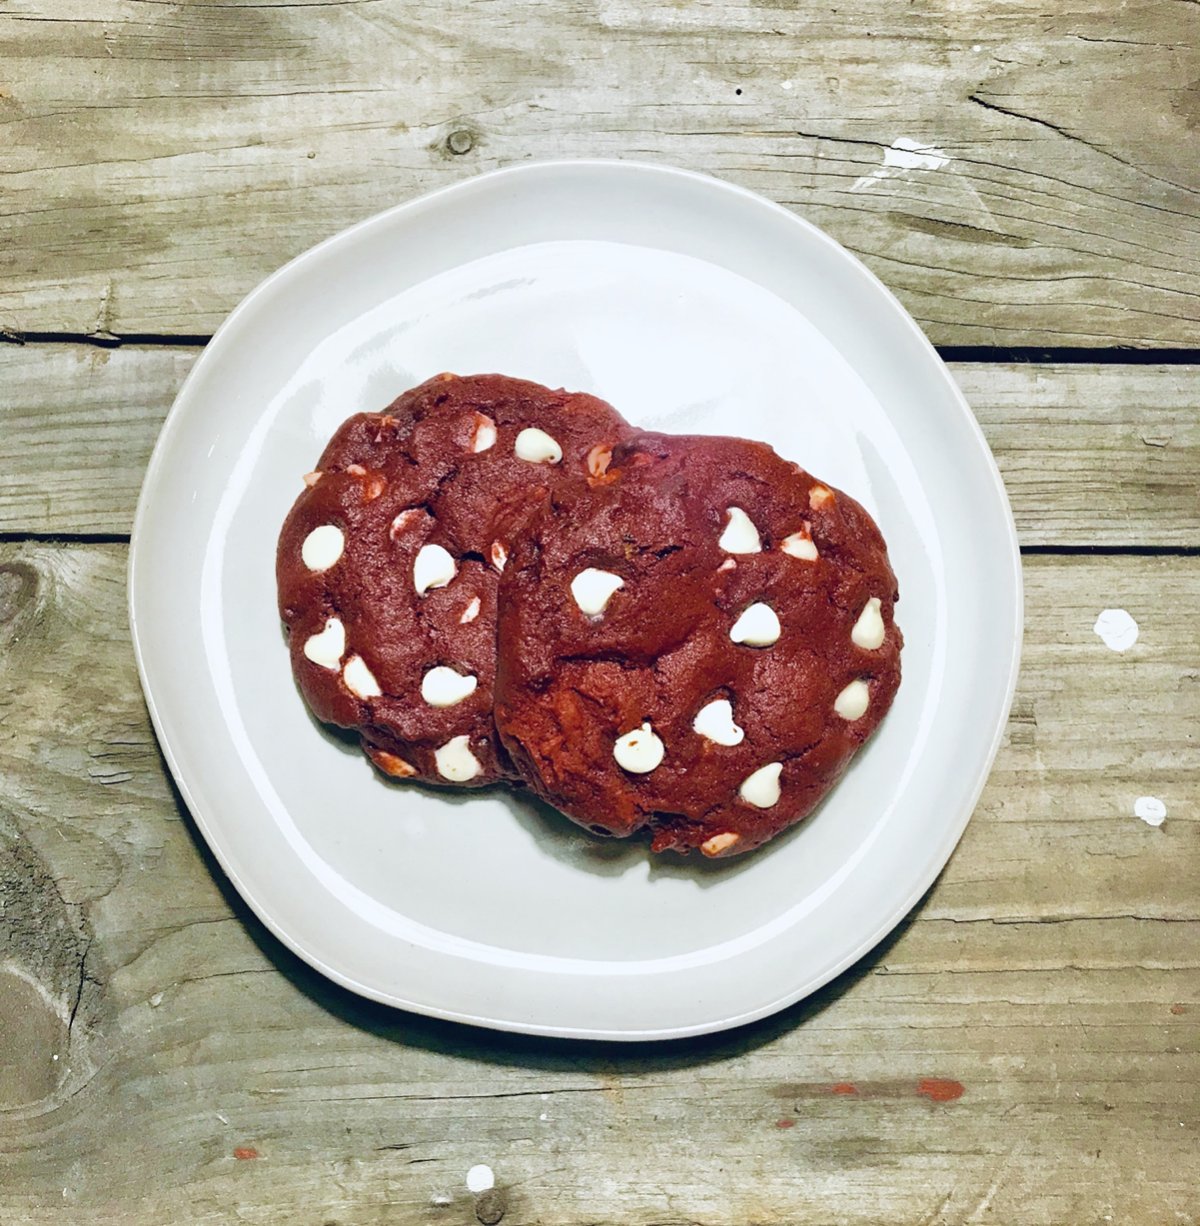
(389, 562)
(696, 648)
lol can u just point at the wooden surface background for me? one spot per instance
(1026, 1047)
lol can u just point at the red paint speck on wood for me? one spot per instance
(245, 1151)
(939, 1089)
(843, 1087)
(785, 1123)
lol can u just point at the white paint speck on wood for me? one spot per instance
(1118, 630)
(903, 155)
(480, 1178)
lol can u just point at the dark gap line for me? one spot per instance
(1111, 551)
(1067, 356)
(1111, 355)
(105, 340)
(64, 538)
(1027, 551)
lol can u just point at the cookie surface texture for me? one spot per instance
(388, 564)
(696, 648)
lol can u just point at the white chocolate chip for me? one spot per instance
(740, 535)
(819, 496)
(328, 647)
(593, 589)
(434, 567)
(852, 702)
(714, 722)
(728, 564)
(499, 555)
(455, 761)
(639, 751)
(761, 789)
(869, 630)
(471, 612)
(443, 687)
(359, 679)
(356, 470)
(799, 545)
(757, 627)
(719, 843)
(537, 447)
(310, 479)
(405, 520)
(322, 547)
(484, 434)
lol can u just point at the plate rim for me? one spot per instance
(934, 863)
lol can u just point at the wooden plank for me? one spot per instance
(1053, 975)
(1019, 173)
(1092, 455)
(77, 426)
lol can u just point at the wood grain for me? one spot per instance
(77, 426)
(1053, 975)
(1092, 455)
(1025, 1048)
(160, 159)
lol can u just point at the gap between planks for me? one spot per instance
(1069, 551)
(1112, 355)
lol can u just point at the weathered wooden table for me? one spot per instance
(1025, 1048)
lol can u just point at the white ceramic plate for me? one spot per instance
(692, 305)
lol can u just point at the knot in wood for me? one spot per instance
(490, 1206)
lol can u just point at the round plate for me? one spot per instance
(691, 305)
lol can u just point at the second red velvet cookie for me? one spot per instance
(697, 647)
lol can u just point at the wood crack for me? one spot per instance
(549, 1091)
(1071, 136)
(250, 970)
(83, 980)
(1129, 42)
(886, 972)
